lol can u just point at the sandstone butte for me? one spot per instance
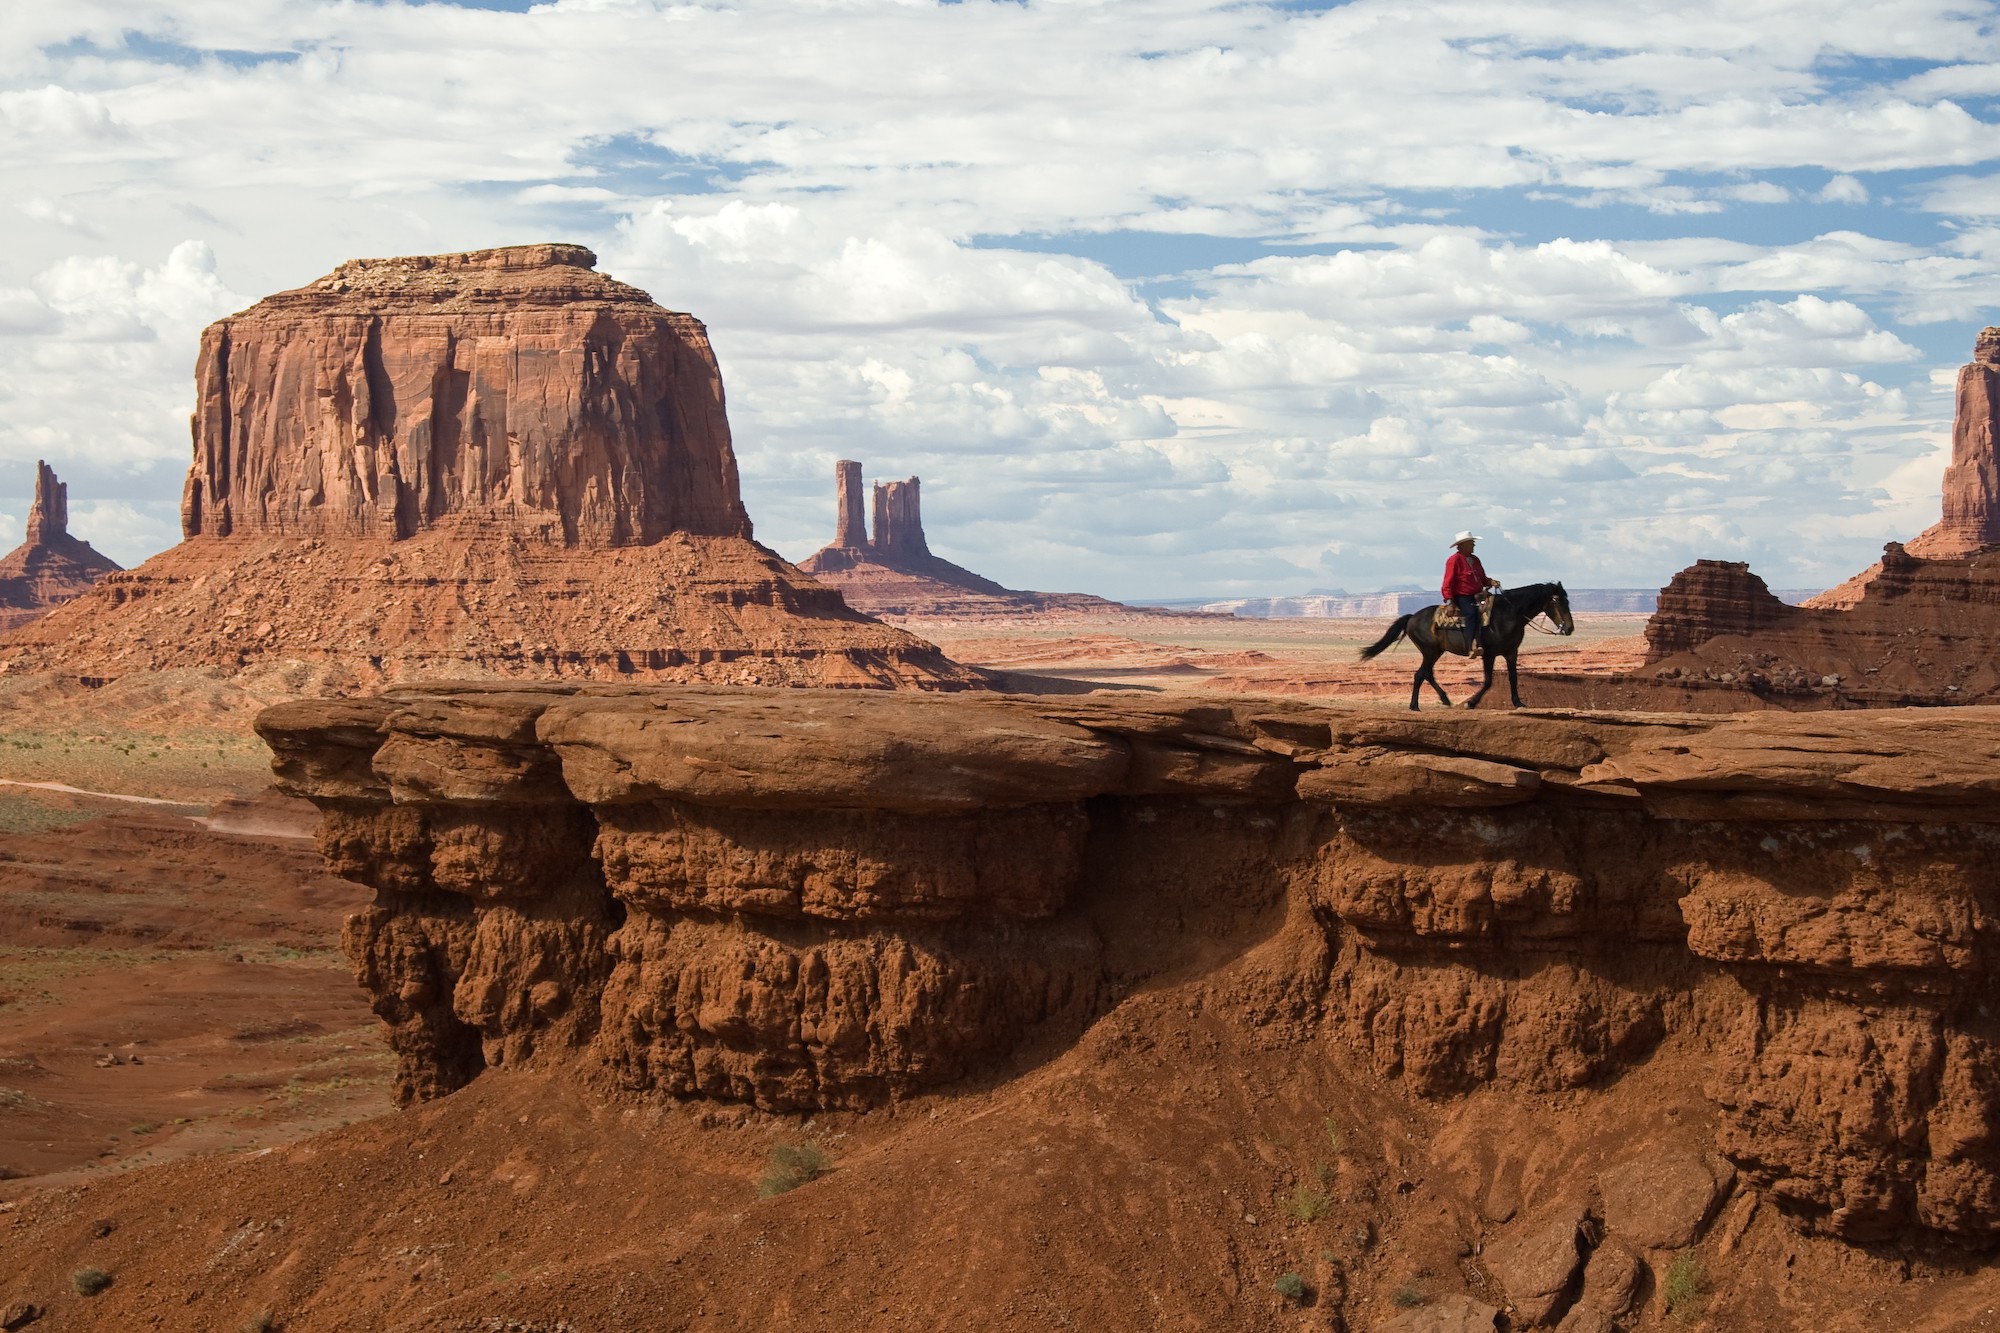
(49, 567)
(494, 463)
(1752, 942)
(1915, 628)
(895, 573)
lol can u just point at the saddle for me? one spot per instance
(1448, 622)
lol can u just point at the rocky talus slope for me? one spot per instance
(50, 566)
(500, 462)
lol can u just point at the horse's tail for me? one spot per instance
(1389, 637)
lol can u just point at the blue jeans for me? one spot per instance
(1469, 608)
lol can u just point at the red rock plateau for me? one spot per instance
(49, 567)
(499, 463)
(1109, 1014)
(894, 573)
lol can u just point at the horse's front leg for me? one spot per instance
(1513, 685)
(1487, 684)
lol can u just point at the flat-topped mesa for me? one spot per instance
(1971, 517)
(514, 389)
(50, 567)
(499, 463)
(1708, 599)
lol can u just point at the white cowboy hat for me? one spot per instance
(1465, 537)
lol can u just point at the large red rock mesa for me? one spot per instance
(894, 573)
(806, 900)
(49, 567)
(495, 462)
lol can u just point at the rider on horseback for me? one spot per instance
(1464, 582)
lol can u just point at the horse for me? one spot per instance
(1512, 610)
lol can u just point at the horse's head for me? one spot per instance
(1558, 611)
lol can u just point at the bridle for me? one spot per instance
(1556, 631)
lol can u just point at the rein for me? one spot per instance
(1529, 622)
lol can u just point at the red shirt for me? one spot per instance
(1464, 576)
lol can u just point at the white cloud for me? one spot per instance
(810, 178)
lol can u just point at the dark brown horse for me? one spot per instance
(1512, 610)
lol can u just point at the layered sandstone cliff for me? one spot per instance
(513, 388)
(50, 566)
(895, 573)
(499, 462)
(806, 900)
(1711, 598)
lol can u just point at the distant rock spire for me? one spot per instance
(48, 516)
(899, 521)
(1971, 517)
(850, 530)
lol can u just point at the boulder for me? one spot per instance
(1536, 1260)
(1661, 1201)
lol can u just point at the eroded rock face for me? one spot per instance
(1708, 599)
(515, 388)
(811, 899)
(499, 463)
(49, 567)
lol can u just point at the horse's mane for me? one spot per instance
(1528, 592)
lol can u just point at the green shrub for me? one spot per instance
(1307, 1203)
(261, 1322)
(1292, 1287)
(89, 1281)
(1684, 1285)
(1408, 1296)
(790, 1166)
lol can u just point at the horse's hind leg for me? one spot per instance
(1429, 672)
(1486, 685)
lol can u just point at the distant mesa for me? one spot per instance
(50, 567)
(894, 573)
(493, 463)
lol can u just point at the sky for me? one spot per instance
(1161, 298)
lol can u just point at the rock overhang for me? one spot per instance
(810, 900)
